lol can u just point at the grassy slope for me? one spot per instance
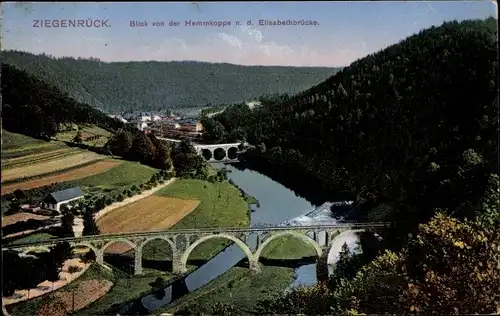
(33, 238)
(14, 141)
(126, 174)
(239, 287)
(13, 144)
(68, 136)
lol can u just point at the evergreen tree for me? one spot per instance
(67, 222)
(89, 225)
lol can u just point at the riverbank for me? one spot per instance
(238, 288)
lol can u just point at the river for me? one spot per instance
(277, 205)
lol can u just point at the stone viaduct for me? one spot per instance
(183, 242)
(227, 152)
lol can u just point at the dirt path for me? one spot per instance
(78, 227)
(46, 286)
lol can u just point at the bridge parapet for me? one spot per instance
(183, 242)
(196, 231)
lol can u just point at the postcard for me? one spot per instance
(250, 158)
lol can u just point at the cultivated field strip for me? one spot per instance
(21, 217)
(162, 213)
(49, 166)
(21, 152)
(38, 158)
(79, 173)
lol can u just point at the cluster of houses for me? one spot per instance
(165, 125)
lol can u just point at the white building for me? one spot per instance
(253, 104)
(142, 125)
(118, 117)
(55, 200)
(145, 118)
(156, 118)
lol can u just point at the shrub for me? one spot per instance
(120, 197)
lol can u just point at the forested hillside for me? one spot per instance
(151, 85)
(415, 125)
(33, 107)
(413, 131)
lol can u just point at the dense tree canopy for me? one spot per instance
(32, 107)
(137, 146)
(187, 162)
(163, 85)
(415, 125)
(413, 131)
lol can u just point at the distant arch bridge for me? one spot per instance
(216, 152)
(183, 242)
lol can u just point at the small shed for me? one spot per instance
(54, 200)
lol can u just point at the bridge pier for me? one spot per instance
(138, 261)
(99, 257)
(254, 264)
(322, 273)
(177, 266)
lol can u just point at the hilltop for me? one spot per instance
(153, 85)
(414, 126)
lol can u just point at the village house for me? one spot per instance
(191, 126)
(119, 117)
(142, 125)
(55, 200)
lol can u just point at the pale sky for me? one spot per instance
(347, 30)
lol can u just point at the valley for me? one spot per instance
(365, 189)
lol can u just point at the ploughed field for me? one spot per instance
(162, 213)
(29, 163)
(73, 174)
(49, 165)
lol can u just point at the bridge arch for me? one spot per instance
(88, 245)
(219, 154)
(131, 244)
(206, 153)
(169, 241)
(336, 242)
(232, 153)
(185, 255)
(299, 235)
